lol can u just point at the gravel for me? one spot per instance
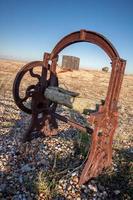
(27, 169)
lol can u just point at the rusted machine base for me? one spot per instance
(44, 116)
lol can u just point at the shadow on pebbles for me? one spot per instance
(46, 167)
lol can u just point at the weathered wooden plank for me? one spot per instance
(67, 98)
(70, 62)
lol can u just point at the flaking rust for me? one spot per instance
(43, 111)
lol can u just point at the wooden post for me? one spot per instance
(67, 98)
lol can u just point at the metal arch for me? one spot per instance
(85, 36)
(106, 119)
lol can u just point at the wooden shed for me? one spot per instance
(70, 62)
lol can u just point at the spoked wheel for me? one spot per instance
(42, 81)
(41, 108)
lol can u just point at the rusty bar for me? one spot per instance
(73, 123)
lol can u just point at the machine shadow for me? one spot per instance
(118, 182)
(36, 167)
(52, 157)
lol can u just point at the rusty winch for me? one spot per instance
(43, 110)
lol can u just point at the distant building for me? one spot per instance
(70, 62)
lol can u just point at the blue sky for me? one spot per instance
(28, 28)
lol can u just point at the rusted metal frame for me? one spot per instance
(113, 126)
(54, 63)
(35, 123)
(48, 124)
(42, 120)
(38, 95)
(46, 58)
(105, 120)
(118, 83)
(93, 167)
(91, 155)
(100, 155)
(111, 86)
(103, 111)
(118, 67)
(114, 83)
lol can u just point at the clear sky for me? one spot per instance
(28, 28)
